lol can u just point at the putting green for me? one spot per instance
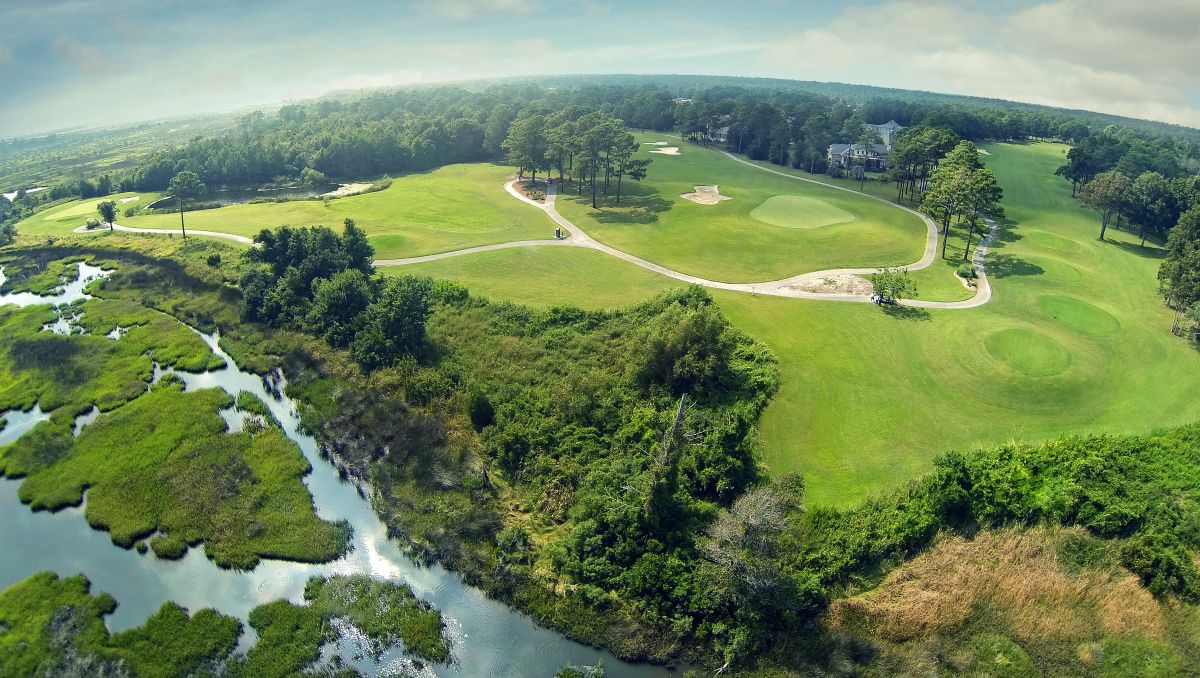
(1079, 315)
(727, 242)
(1028, 352)
(1052, 242)
(798, 211)
(1054, 270)
(87, 208)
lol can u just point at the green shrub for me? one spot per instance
(966, 271)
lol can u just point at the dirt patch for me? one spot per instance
(666, 150)
(705, 195)
(345, 190)
(842, 283)
(1010, 575)
(534, 190)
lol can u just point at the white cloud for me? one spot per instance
(462, 10)
(1103, 56)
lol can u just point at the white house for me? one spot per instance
(873, 157)
(888, 131)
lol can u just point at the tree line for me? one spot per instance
(420, 129)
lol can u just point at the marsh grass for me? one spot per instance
(55, 626)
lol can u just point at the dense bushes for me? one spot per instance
(1141, 490)
(313, 280)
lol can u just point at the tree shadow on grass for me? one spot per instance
(1005, 234)
(637, 210)
(900, 312)
(1147, 252)
(1007, 266)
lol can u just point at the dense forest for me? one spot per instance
(418, 129)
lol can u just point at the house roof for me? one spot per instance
(889, 126)
(842, 149)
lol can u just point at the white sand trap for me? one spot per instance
(705, 195)
(654, 143)
(983, 151)
(346, 189)
(131, 198)
(666, 150)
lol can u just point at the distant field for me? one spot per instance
(450, 208)
(773, 227)
(1075, 339)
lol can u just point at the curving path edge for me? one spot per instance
(786, 287)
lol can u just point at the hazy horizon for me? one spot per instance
(69, 63)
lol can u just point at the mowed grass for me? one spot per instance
(797, 211)
(1074, 340)
(725, 241)
(449, 208)
(546, 276)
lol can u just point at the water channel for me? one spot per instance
(489, 638)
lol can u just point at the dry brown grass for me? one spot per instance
(1013, 576)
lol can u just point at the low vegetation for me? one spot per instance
(159, 463)
(55, 626)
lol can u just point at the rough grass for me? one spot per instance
(449, 208)
(1015, 602)
(724, 242)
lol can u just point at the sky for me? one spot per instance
(82, 63)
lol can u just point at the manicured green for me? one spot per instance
(725, 241)
(449, 208)
(546, 276)
(76, 212)
(868, 399)
(798, 211)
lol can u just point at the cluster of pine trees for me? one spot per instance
(579, 140)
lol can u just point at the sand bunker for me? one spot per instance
(841, 283)
(654, 143)
(344, 190)
(666, 150)
(705, 195)
(131, 198)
